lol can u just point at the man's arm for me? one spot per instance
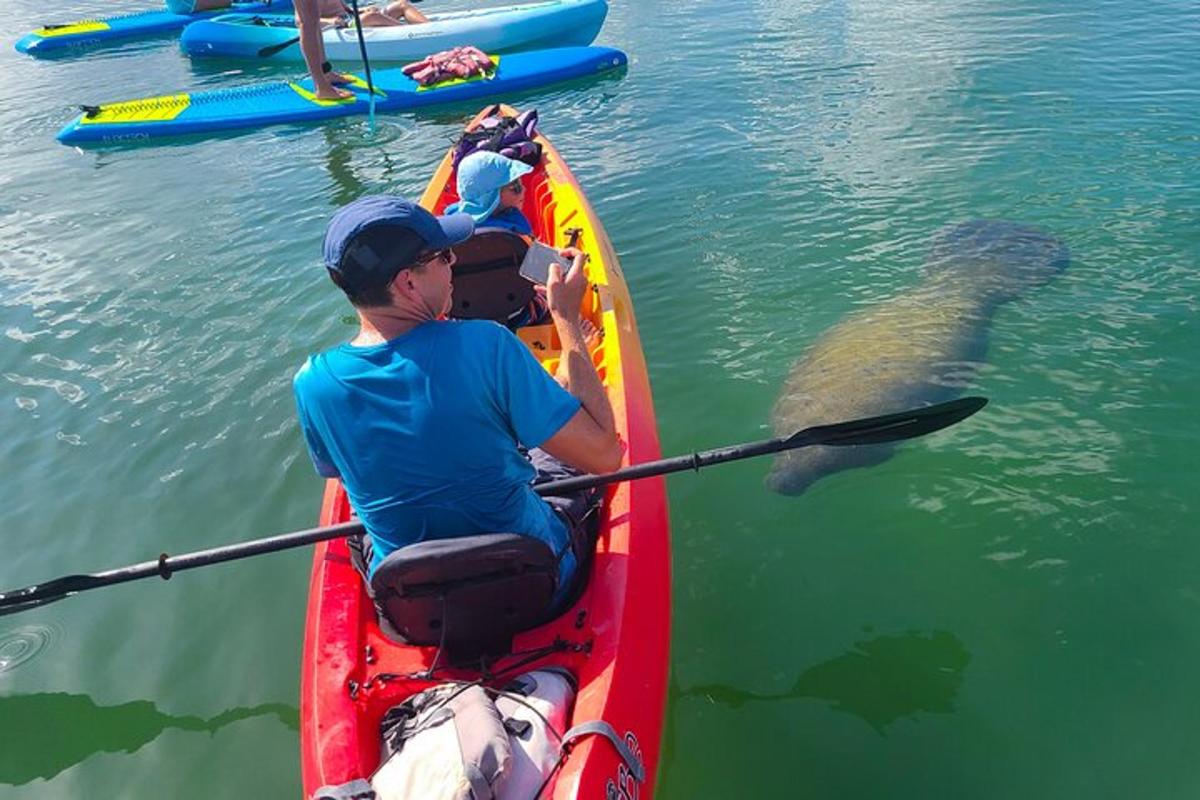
(588, 441)
(317, 450)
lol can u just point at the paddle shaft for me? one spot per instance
(362, 50)
(872, 430)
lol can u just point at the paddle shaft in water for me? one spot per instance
(362, 49)
(871, 430)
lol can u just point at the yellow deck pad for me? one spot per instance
(354, 80)
(456, 81)
(71, 29)
(151, 109)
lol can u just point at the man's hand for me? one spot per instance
(564, 293)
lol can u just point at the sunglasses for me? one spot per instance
(515, 186)
(446, 255)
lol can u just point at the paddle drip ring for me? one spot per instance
(26, 642)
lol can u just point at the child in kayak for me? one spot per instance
(490, 190)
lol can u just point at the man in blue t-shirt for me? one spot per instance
(421, 417)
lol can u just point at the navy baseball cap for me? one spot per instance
(380, 234)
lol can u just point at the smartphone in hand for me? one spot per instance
(535, 266)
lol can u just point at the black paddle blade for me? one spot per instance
(271, 50)
(41, 594)
(889, 427)
(26, 605)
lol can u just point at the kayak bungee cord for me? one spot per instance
(869, 430)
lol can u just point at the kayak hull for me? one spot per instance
(85, 34)
(532, 26)
(257, 105)
(617, 632)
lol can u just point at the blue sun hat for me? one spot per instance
(481, 176)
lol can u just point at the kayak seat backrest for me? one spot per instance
(487, 278)
(468, 595)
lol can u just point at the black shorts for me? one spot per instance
(576, 509)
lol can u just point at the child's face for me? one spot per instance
(512, 195)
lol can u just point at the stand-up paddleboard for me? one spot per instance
(532, 26)
(262, 104)
(62, 39)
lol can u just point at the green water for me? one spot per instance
(1005, 609)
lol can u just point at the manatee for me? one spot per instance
(917, 348)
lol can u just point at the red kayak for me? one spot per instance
(614, 639)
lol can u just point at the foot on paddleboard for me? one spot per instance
(332, 91)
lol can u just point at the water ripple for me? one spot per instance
(20, 646)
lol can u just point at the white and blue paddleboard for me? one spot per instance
(263, 104)
(83, 34)
(502, 29)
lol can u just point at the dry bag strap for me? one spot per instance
(354, 790)
(480, 788)
(602, 728)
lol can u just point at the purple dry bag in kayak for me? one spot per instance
(509, 136)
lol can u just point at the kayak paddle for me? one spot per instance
(271, 50)
(870, 430)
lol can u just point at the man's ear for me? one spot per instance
(403, 282)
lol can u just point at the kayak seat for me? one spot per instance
(467, 595)
(487, 278)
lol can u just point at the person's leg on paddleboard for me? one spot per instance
(391, 14)
(403, 10)
(374, 17)
(308, 20)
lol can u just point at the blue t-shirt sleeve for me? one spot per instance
(317, 450)
(536, 406)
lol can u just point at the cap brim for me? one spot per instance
(455, 228)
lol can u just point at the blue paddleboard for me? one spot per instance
(86, 33)
(262, 104)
